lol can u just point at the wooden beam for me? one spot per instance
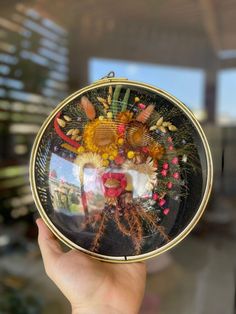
(210, 22)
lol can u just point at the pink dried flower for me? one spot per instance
(165, 166)
(169, 185)
(155, 197)
(166, 211)
(162, 202)
(164, 173)
(175, 161)
(121, 128)
(141, 106)
(176, 175)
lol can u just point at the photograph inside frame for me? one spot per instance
(121, 170)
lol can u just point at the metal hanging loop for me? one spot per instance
(111, 74)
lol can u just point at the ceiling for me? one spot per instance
(187, 33)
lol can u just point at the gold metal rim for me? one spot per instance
(191, 224)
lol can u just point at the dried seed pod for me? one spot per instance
(75, 132)
(73, 137)
(162, 129)
(78, 138)
(61, 122)
(109, 99)
(67, 118)
(153, 128)
(112, 183)
(88, 108)
(70, 132)
(166, 124)
(162, 195)
(172, 128)
(102, 100)
(159, 122)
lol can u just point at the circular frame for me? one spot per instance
(209, 175)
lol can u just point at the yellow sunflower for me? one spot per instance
(100, 136)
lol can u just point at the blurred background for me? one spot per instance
(49, 49)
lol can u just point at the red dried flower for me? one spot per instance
(121, 128)
(114, 183)
(119, 160)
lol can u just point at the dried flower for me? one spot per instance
(119, 159)
(130, 154)
(105, 156)
(162, 202)
(141, 106)
(137, 134)
(176, 175)
(105, 162)
(114, 183)
(100, 136)
(166, 211)
(125, 117)
(156, 151)
(121, 128)
(120, 141)
(80, 149)
(165, 166)
(155, 197)
(146, 168)
(164, 172)
(145, 114)
(175, 161)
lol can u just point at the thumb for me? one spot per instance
(49, 246)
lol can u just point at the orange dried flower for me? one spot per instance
(137, 134)
(100, 136)
(125, 117)
(156, 151)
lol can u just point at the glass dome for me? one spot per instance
(121, 170)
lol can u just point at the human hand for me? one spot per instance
(92, 286)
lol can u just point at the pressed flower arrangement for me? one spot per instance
(120, 170)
